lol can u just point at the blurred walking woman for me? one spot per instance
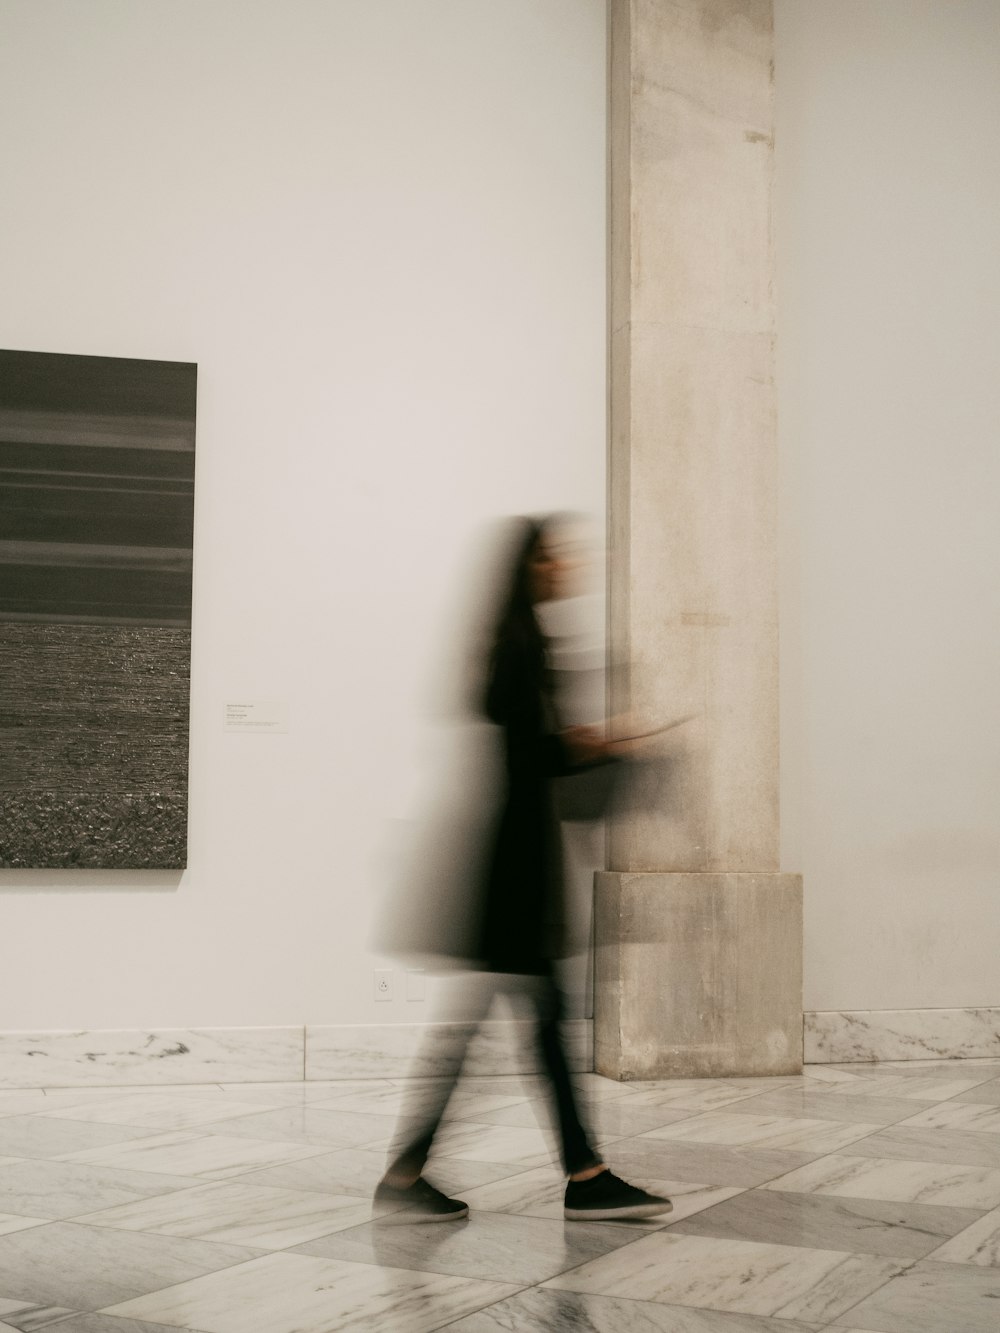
(518, 916)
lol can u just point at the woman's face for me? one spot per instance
(556, 558)
(544, 568)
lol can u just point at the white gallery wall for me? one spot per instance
(888, 219)
(378, 227)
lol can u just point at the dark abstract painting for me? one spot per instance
(96, 523)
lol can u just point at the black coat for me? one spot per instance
(483, 884)
(523, 924)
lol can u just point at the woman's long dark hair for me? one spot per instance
(516, 619)
(516, 627)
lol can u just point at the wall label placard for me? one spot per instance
(258, 716)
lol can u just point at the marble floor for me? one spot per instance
(856, 1197)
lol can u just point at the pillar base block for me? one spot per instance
(697, 975)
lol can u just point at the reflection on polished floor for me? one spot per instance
(860, 1197)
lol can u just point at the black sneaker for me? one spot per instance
(605, 1197)
(419, 1202)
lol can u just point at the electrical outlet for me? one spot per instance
(383, 985)
(416, 983)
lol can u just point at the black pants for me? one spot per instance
(448, 1047)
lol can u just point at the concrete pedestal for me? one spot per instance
(698, 975)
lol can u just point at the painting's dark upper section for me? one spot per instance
(96, 488)
(98, 385)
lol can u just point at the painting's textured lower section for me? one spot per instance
(94, 731)
(840, 1036)
(124, 831)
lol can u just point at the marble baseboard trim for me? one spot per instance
(845, 1036)
(163, 1056)
(421, 1049)
(270, 1055)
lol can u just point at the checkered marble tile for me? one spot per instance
(860, 1198)
(746, 1277)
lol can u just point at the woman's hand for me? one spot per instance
(586, 745)
(621, 736)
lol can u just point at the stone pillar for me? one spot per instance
(699, 941)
